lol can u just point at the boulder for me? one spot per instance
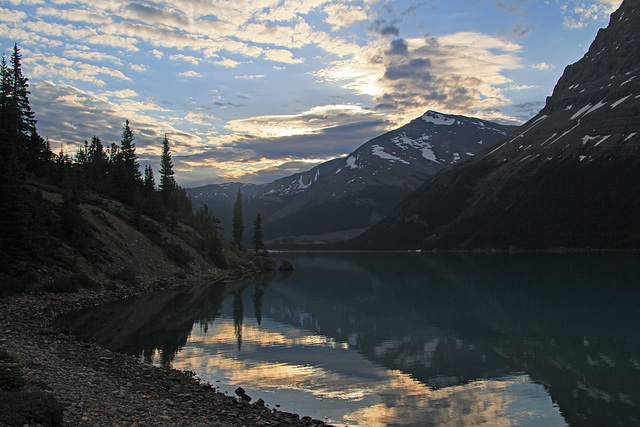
(285, 265)
(264, 263)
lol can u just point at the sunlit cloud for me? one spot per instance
(250, 77)
(12, 15)
(282, 55)
(228, 63)
(190, 73)
(542, 66)
(458, 73)
(199, 117)
(309, 122)
(188, 58)
(141, 68)
(124, 93)
(342, 15)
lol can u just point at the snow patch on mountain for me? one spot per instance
(421, 144)
(439, 119)
(581, 111)
(619, 101)
(377, 150)
(351, 162)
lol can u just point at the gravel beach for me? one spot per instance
(96, 386)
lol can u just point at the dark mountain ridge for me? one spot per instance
(340, 198)
(566, 178)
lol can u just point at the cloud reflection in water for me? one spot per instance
(315, 375)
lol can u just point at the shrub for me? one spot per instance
(28, 408)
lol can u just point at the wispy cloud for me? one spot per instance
(578, 14)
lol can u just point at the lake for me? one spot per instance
(406, 339)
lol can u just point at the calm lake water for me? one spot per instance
(379, 339)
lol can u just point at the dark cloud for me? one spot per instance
(390, 30)
(398, 47)
(382, 28)
(529, 105)
(331, 142)
(227, 104)
(155, 15)
(415, 70)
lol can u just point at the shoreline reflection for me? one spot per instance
(407, 339)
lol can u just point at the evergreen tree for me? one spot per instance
(17, 122)
(167, 181)
(258, 244)
(237, 225)
(149, 184)
(6, 113)
(96, 164)
(25, 123)
(129, 156)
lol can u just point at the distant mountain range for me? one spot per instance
(570, 177)
(339, 199)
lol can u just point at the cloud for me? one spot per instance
(141, 68)
(255, 158)
(190, 73)
(124, 93)
(282, 55)
(12, 15)
(398, 47)
(382, 28)
(579, 14)
(91, 56)
(228, 63)
(250, 77)
(459, 73)
(188, 58)
(312, 121)
(155, 16)
(199, 117)
(72, 115)
(543, 66)
(342, 15)
(44, 66)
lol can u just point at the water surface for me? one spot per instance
(378, 339)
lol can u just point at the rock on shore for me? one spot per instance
(98, 387)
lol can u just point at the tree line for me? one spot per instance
(28, 223)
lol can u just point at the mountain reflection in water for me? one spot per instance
(406, 339)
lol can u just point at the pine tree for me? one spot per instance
(6, 113)
(24, 124)
(167, 181)
(129, 156)
(149, 184)
(258, 244)
(17, 122)
(97, 164)
(238, 225)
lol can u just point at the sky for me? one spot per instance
(255, 90)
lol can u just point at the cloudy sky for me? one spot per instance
(253, 90)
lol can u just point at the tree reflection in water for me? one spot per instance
(567, 321)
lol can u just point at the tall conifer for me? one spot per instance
(25, 122)
(167, 181)
(237, 225)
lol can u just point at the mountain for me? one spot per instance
(340, 198)
(567, 178)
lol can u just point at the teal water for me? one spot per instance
(379, 339)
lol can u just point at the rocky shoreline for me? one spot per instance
(96, 386)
